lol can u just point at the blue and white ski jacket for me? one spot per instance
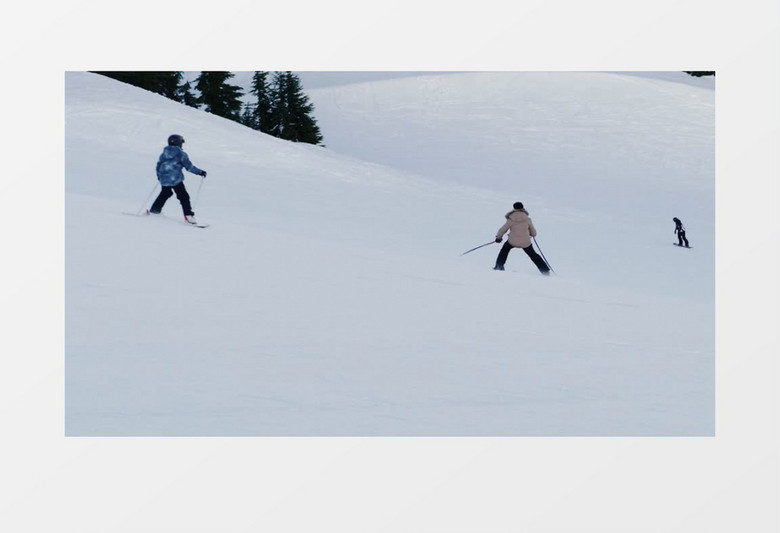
(169, 166)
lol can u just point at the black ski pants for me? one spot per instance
(167, 192)
(681, 237)
(529, 250)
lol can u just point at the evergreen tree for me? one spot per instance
(219, 97)
(169, 83)
(291, 116)
(186, 96)
(164, 83)
(263, 109)
(279, 115)
(248, 117)
(282, 108)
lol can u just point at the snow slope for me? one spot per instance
(329, 296)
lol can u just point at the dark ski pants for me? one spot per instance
(529, 250)
(167, 192)
(681, 238)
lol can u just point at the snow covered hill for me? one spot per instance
(329, 296)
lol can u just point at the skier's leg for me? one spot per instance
(537, 259)
(682, 235)
(184, 198)
(502, 256)
(165, 193)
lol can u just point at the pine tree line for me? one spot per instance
(280, 107)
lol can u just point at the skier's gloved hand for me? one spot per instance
(203, 173)
(498, 239)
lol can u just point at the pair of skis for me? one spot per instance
(148, 214)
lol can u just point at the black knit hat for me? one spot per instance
(518, 205)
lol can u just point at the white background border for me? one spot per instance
(727, 483)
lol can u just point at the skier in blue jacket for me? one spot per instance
(171, 178)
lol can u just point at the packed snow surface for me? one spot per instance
(329, 296)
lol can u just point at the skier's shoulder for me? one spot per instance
(184, 157)
(171, 152)
(174, 151)
(518, 215)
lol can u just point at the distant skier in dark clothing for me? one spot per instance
(521, 229)
(679, 229)
(171, 178)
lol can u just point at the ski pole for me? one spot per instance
(197, 194)
(478, 247)
(542, 254)
(147, 199)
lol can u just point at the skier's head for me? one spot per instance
(518, 205)
(175, 140)
(675, 219)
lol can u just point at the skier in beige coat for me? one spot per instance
(521, 229)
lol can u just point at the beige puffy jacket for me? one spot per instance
(520, 228)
